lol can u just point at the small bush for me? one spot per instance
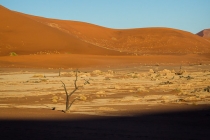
(166, 83)
(207, 89)
(13, 54)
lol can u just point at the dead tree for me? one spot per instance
(68, 95)
(59, 73)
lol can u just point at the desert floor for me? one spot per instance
(139, 102)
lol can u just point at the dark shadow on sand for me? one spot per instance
(182, 125)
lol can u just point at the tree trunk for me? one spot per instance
(67, 102)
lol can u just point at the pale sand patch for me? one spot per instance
(123, 88)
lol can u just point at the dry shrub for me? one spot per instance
(13, 54)
(82, 98)
(166, 72)
(192, 98)
(207, 89)
(166, 83)
(100, 92)
(110, 72)
(142, 89)
(97, 72)
(39, 76)
(151, 71)
(55, 99)
(68, 74)
(165, 97)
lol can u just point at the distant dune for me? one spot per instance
(204, 33)
(31, 35)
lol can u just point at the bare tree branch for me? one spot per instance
(75, 81)
(64, 88)
(87, 81)
(59, 72)
(76, 87)
(71, 103)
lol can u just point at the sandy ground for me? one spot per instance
(141, 102)
(69, 61)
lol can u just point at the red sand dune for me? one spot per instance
(31, 35)
(24, 35)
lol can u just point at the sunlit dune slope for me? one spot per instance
(27, 34)
(135, 41)
(24, 35)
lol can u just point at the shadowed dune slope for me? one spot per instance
(204, 33)
(24, 35)
(27, 34)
